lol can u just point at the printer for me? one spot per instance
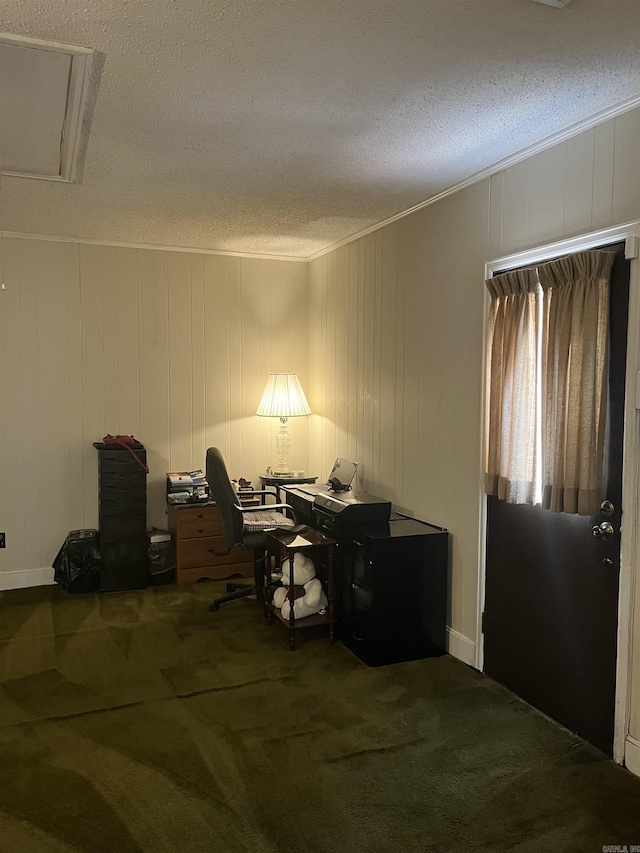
(333, 510)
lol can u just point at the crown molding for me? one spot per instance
(17, 235)
(548, 142)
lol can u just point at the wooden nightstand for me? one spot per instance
(201, 549)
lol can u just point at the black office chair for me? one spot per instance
(244, 527)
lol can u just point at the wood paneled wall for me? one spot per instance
(174, 348)
(396, 323)
(398, 370)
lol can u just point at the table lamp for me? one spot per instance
(283, 398)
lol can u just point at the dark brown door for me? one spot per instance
(551, 596)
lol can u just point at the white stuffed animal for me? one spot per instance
(307, 595)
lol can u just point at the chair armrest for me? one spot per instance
(265, 494)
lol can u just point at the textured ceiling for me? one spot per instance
(283, 126)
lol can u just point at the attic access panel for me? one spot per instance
(43, 88)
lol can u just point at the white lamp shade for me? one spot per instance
(283, 397)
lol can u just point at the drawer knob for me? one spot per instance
(201, 530)
(219, 553)
(200, 515)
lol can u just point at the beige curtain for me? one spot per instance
(574, 379)
(512, 453)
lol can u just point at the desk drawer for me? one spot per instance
(199, 529)
(209, 551)
(192, 518)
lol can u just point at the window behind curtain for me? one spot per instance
(546, 383)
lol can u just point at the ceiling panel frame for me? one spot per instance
(79, 76)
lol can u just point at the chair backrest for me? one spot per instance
(225, 497)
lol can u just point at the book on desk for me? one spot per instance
(187, 487)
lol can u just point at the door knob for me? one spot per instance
(603, 531)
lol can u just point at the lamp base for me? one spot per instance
(279, 472)
(283, 443)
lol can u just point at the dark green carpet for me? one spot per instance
(141, 722)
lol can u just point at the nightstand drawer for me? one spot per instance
(209, 551)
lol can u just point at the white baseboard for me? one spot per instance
(25, 578)
(461, 647)
(632, 755)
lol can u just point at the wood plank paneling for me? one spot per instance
(17, 360)
(546, 194)
(401, 264)
(252, 384)
(411, 325)
(93, 397)
(342, 352)
(496, 214)
(221, 353)
(74, 379)
(387, 446)
(198, 398)
(127, 352)
(603, 160)
(353, 398)
(268, 305)
(234, 460)
(52, 449)
(626, 163)
(111, 357)
(513, 213)
(180, 361)
(580, 152)
(153, 361)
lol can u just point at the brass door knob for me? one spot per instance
(603, 531)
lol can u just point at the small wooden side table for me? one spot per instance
(318, 547)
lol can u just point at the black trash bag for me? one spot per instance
(161, 558)
(78, 563)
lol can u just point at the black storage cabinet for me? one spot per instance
(394, 591)
(122, 511)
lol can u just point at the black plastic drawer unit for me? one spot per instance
(122, 517)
